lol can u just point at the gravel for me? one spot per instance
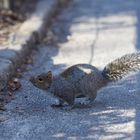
(94, 32)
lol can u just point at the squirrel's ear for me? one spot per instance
(49, 75)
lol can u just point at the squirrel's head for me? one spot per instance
(42, 81)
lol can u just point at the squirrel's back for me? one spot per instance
(77, 72)
(85, 77)
(120, 67)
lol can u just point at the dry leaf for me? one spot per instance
(14, 84)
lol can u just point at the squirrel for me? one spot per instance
(85, 79)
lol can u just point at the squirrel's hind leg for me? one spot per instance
(89, 99)
(70, 103)
(60, 104)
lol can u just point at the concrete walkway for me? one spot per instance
(89, 31)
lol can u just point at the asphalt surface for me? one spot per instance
(91, 31)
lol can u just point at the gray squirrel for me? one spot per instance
(85, 79)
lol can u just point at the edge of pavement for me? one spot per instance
(24, 40)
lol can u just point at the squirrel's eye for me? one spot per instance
(40, 79)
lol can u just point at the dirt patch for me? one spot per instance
(10, 21)
(13, 85)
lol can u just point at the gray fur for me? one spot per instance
(85, 79)
(80, 79)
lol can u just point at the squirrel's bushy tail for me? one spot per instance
(120, 67)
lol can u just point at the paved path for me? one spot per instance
(89, 31)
